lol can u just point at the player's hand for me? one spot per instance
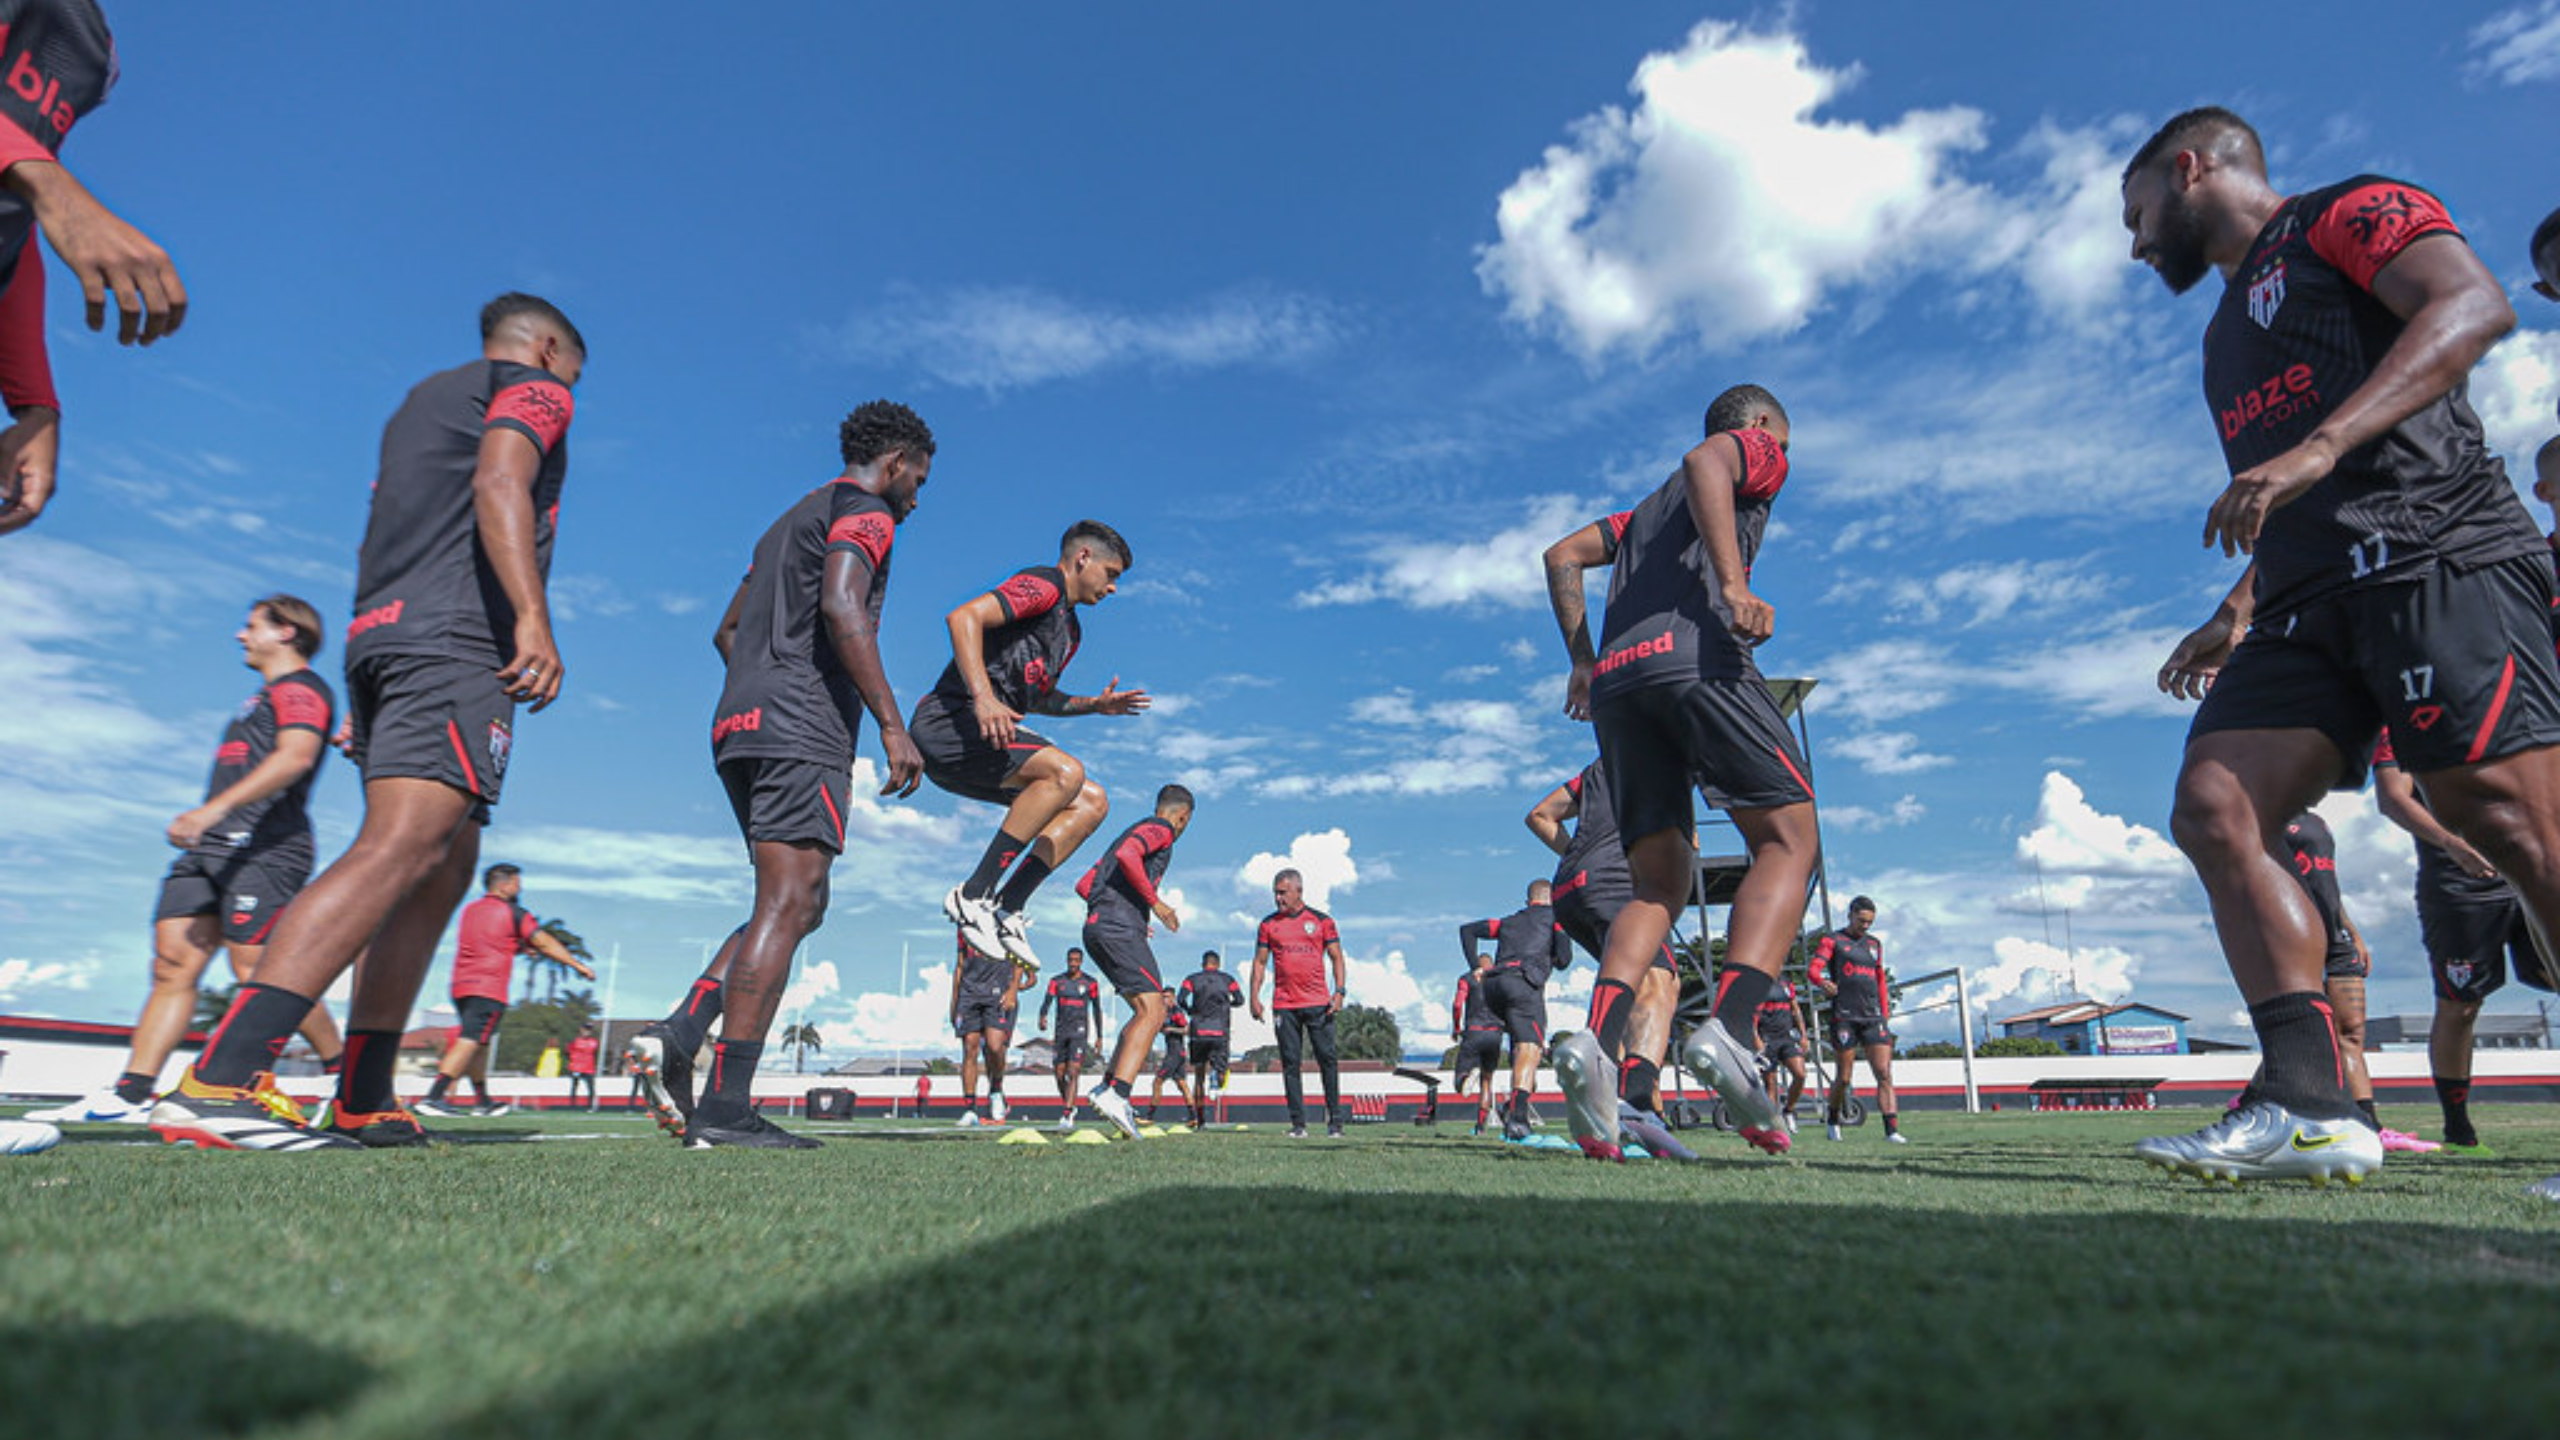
(1166, 914)
(1256, 1007)
(996, 719)
(906, 765)
(1831, 990)
(1333, 1002)
(1577, 691)
(108, 256)
(2254, 493)
(1754, 619)
(2192, 666)
(189, 828)
(29, 451)
(2473, 863)
(1115, 701)
(534, 675)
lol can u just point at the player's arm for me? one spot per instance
(1711, 473)
(548, 946)
(2396, 795)
(726, 635)
(1818, 969)
(840, 600)
(502, 502)
(31, 448)
(1547, 819)
(957, 967)
(108, 255)
(1473, 934)
(2364, 956)
(1588, 548)
(1341, 976)
(1253, 989)
(2192, 666)
(1046, 998)
(1560, 949)
(969, 625)
(1458, 1007)
(1131, 858)
(2452, 310)
(297, 751)
(1112, 701)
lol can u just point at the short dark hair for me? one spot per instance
(1099, 534)
(1075, 952)
(293, 610)
(1208, 957)
(1173, 795)
(2206, 127)
(877, 427)
(1733, 409)
(2543, 234)
(514, 303)
(490, 877)
(1861, 902)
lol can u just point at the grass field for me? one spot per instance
(2013, 1274)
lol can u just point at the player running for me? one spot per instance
(494, 931)
(985, 991)
(1478, 1035)
(1076, 996)
(1528, 947)
(1781, 1038)
(1592, 882)
(1848, 968)
(1295, 942)
(1176, 1064)
(1121, 893)
(247, 852)
(2394, 578)
(452, 631)
(1209, 995)
(1677, 701)
(1009, 648)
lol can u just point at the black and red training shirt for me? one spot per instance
(788, 695)
(1667, 621)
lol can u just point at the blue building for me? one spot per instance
(2084, 1027)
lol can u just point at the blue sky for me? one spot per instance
(1339, 313)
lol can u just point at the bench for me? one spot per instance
(2096, 1094)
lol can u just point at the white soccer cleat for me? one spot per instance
(1014, 943)
(1590, 1095)
(2266, 1141)
(104, 1108)
(1108, 1104)
(1831, 1131)
(1895, 1137)
(1734, 1069)
(997, 1109)
(977, 921)
(968, 1120)
(27, 1137)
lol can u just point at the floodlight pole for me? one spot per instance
(1964, 1022)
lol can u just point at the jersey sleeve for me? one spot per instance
(1472, 934)
(862, 530)
(299, 706)
(1130, 855)
(1764, 465)
(535, 406)
(1613, 529)
(1458, 1007)
(1030, 593)
(1560, 949)
(26, 362)
(2383, 754)
(1818, 969)
(525, 927)
(2367, 227)
(1328, 932)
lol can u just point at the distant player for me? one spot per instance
(452, 631)
(493, 932)
(247, 851)
(2393, 579)
(1529, 946)
(1478, 1035)
(1781, 1038)
(1175, 1067)
(1077, 998)
(984, 991)
(1209, 995)
(1848, 968)
(582, 1064)
(1009, 649)
(1677, 701)
(1121, 895)
(1295, 943)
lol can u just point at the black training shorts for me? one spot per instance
(1171, 1067)
(1519, 1005)
(1071, 1052)
(1209, 1055)
(958, 759)
(1477, 1050)
(1585, 903)
(1659, 742)
(2472, 943)
(477, 1018)
(427, 717)
(247, 888)
(1124, 959)
(1782, 1051)
(1858, 1034)
(788, 802)
(983, 1015)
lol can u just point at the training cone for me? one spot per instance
(1085, 1137)
(1152, 1132)
(1023, 1137)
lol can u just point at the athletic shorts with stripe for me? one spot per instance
(477, 1017)
(958, 759)
(426, 717)
(2458, 663)
(1659, 742)
(788, 802)
(989, 1016)
(1124, 959)
(1172, 1066)
(1859, 1034)
(1477, 1050)
(2472, 944)
(1209, 1056)
(247, 888)
(1519, 1005)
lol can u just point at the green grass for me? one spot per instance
(2013, 1274)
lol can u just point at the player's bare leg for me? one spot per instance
(180, 951)
(2235, 792)
(412, 830)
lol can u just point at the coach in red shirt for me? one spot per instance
(493, 932)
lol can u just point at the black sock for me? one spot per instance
(1026, 878)
(2372, 1121)
(437, 1091)
(2303, 1071)
(733, 1076)
(335, 1064)
(1739, 992)
(690, 1025)
(1120, 1087)
(1830, 1112)
(2455, 1097)
(365, 1080)
(133, 1087)
(991, 866)
(252, 1034)
(1892, 1123)
(1637, 1078)
(1612, 1006)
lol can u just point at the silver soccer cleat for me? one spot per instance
(1731, 1067)
(2266, 1141)
(1590, 1095)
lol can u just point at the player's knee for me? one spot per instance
(2212, 820)
(1092, 801)
(171, 969)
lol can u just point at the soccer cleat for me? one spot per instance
(442, 1110)
(2403, 1142)
(976, 917)
(2266, 1141)
(255, 1116)
(492, 1109)
(1515, 1117)
(1333, 1130)
(27, 1137)
(104, 1108)
(1590, 1095)
(2476, 1150)
(1111, 1105)
(1789, 1120)
(392, 1129)
(997, 1109)
(1895, 1137)
(665, 1074)
(1066, 1121)
(968, 1120)
(1733, 1068)
(753, 1133)
(1010, 929)
(1652, 1134)
(1297, 1132)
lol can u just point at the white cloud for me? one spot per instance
(21, 978)
(878, 1022)
(2027, 973)
(2514, 391)
(814, 983)
(1853, 818)
(1501, 571)
(2071, 836)
(2518, 45)
(1443, 747)
(1888, 752)
(2107, 676)
(1001, 339)
(1978, 594)
(1322, 859)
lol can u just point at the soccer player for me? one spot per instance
(68, 59)
(1677, 701)
(2313, 854)
(1528, 947)
(1848, 968)
(1782, 1045)
(983, 1004)
(1209, 995)
(1176, 1064)
(494, 931)
(1477, 1033)
(582, 1063)
(1592, 882)
(2394, 578)
(1009, 648)
(452, 631)
(246, 853)
(1121, 893)
(1074, 995)
(1295, 942)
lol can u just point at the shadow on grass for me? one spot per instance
(169, 1379)
(1216, 1311)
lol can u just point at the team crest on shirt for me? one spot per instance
(1309, 926)
(1035, 673)
(2266, 295)
(501, 740)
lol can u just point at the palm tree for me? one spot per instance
(800, 1040)
(550, 968)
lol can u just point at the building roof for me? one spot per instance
(2081, 1012)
